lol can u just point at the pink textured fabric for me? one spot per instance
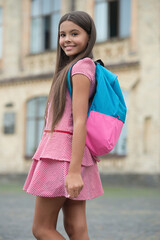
(98, 141)
(86, 67)
(46, 179)
(59, 146)
(51, 160)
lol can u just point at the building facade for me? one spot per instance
(128, 42)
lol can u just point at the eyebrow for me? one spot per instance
(73, 30)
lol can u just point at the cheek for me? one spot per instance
(84, 44)
(85, 41)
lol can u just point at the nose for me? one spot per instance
(67, 38)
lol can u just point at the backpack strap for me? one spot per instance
(69, 83)
(99, 61)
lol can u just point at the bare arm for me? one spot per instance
(81, 86)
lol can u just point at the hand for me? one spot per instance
(73, 184)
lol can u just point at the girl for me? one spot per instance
(64, 174)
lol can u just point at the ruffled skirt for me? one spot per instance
(46, 178)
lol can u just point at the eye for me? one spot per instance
(74, 34)
(62, 35)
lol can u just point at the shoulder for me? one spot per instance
(85, 62)
(85, 66)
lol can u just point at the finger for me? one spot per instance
(80, 189)
(73, 194)
(68, 192)
(65, 184)
(77, 191)
(74, 191)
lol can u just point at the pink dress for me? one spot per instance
(51, 161)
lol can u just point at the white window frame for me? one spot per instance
(38, 14)
(34, 123)
(102, 19)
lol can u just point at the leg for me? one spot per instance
(45, 218)
(75, 219)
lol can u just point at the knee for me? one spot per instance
(37, 232)
(75, 230)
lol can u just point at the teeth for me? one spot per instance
(68, 48)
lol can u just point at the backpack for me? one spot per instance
(107, 111)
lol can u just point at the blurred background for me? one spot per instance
(128, 42)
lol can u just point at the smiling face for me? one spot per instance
(73, 39)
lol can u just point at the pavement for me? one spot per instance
(122, 213)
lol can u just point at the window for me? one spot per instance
(9, 123)
(112, 19)
(1, 32)
(44, 29)
(121, 147)
(34, 123)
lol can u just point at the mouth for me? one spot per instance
(68, 48)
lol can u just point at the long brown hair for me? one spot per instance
(57, 95)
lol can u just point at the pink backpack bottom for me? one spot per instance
(98, 141)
